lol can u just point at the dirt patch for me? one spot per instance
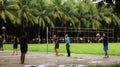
(39, 59)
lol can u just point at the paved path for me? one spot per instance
(39, 59)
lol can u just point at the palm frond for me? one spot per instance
(13, 7)
(49, 21)
(25, 17)
(10, 16)
(3, 16)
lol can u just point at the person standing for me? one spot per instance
(23, 47)
(56, 44)
(15, 45)
(105, 44)
(67, 40)
(1, 43)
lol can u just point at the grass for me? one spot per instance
(78, 48)
(113, 65)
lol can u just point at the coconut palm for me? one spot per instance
(57, 12)
(7, 10)
(92, 16)
(43, 15)
(69, 8)
(88, 14)
(108, 16)
(26, 12)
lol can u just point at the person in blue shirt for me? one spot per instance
(67, 40)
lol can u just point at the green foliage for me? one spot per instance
(113, 65)
(6, 8)
(52, 13)
(43, 14)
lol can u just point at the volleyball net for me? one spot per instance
(83, 35)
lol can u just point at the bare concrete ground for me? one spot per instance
(39, 59)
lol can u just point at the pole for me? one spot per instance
(4, 37)
(39, 32)
(47, 40)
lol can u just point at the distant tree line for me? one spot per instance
(33, 16)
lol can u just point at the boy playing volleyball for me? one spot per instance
(105, 44)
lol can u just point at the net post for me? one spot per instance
(47, 40)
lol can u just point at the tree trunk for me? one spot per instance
(117, 5)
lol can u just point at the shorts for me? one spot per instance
(105, 48)
(15, 46)
(57, 46)
(23, 48)
(1, 45)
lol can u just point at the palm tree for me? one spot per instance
(108, 17)
(8, 9)
(26, 12)
(88, 14)
(69, 8)
(91, 16)
(57, 12)
(43, 15)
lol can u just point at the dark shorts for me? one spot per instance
(15, 46)
(57, 46)
(105, 48)
(1, 45)
(24, 49)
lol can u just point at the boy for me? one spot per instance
(67, 40)
(56, 43)
(15, 46)
(1, 43)
(23, 47)
(105, 44)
